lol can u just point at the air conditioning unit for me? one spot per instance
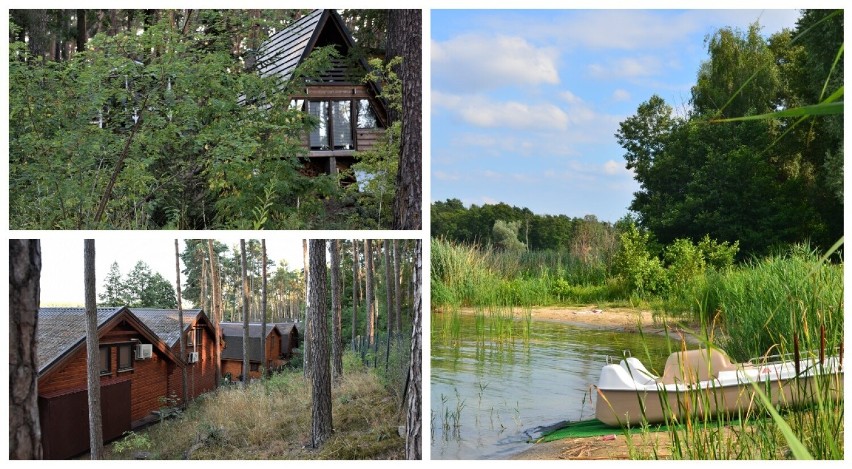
(143, 351)
(192, 358)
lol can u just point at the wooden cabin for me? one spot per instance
(289, 338)
(200, 336)
(350, 115)
(232, 355)
(135, 365)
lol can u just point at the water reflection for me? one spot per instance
(491, 394)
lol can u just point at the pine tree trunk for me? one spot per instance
(404, 35)
(81, 30)
(321, 424)
(397, 307)
(336, 339)
(355, 282)
(93, 356)
(181, 330)
(306, 355)
(414, 417)
(24, 277)
(263, 308)
(388, 301)
(246, 366)
(368, 286)
(216, 302)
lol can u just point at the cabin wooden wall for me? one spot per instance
(201, 376)
(148, 377)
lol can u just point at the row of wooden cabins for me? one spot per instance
(141, 367)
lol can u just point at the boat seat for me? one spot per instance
(694, 366)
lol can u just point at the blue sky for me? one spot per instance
(525, 104)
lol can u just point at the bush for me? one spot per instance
(685, 261)
(642, 272)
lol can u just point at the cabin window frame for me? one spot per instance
(129, 347)
(361, 116)
(105, 371)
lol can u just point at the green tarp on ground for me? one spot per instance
(594, 427)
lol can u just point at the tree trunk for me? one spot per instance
(263, 308)
(368, 259)
(93, 356)
(355, 282)
(306, 354)
(216, 302)
(81, 30)
(181, 330)
(24, 277)
(336, 339)
(246, 366)
(397, 306)
(414, 418)
(388, 301)
(321, 424)
(405, 36)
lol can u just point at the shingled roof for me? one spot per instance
(286, 49)
(60, 330)
(164, 322)
(233, 332)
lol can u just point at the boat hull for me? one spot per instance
(617, 407)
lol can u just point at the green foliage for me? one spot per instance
(718, 255)
(377, 167)
(132, 442)
(760, 178)
(633, 263)
(684, 261)
(191, 138)
(141, 288)
(505, 236)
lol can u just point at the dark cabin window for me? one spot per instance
(193, 338)
(105, 360)
(334, 125)
(125, 357)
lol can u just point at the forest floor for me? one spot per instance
(272, 420)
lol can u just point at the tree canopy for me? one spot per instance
(156, 119)
(764, 182)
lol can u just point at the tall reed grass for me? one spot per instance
(469, 276)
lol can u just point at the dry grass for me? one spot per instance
(271, 420)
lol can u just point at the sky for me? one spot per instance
(62, 260)
(525, 104)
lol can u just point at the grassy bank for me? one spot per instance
(271, 420)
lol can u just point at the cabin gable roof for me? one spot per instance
(62, 331)
(286, 49)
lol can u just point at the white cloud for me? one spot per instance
(627, 67)
(621, 95)
(612, 168)
(479, 61)
(570, 97)
(445, 176)
(484, 112)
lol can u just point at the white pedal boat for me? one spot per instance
(706, 383)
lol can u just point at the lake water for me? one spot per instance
(490, 397)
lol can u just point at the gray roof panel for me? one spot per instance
(164, 322)
(61, 329)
